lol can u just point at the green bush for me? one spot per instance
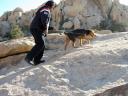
(25, 30)
(16, 32)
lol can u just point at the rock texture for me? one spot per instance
(13, 60)
(18, 46)
(89, 13)
(116, 91)
(53, 41)
(15, 46)
(4, 28)
(119, 13)
(83, 71)
(72, 14)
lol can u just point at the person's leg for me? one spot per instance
(34, 51)
(39, 44)
(37, 58)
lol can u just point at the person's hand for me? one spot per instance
(50, 28)
(45, 35)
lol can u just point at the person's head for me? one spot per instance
(50, 4)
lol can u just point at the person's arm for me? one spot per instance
(45, 20)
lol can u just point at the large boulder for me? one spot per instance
(15, 15)
(26, 19)
(76, 7)
(73, 14)
(76, 23)
(54, 41)
(81, 11)
(67, 25)
(104, 31)
(11, 60)
(121, 90)
(15, 46)
(22, 45)
(4, 28)
(119, 13)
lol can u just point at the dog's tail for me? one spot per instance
(67, 32)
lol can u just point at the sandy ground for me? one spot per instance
(83, 71)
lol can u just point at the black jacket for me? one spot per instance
(41, 19)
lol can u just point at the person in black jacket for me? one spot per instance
(39, 28)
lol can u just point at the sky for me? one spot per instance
(26, 5)
(125, 2)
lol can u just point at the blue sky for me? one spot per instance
(26, 5)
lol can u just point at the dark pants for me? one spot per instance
(37, 51)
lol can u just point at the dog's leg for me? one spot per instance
(81, 42)
(73, 44)
(88, 41)
(67, 40)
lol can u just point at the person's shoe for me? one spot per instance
(41, 61)
(29, 61)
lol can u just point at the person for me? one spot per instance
(39, 29)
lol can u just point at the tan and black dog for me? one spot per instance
(80, 34)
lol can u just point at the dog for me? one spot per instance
(80, 34)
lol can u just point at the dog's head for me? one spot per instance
(91, 35)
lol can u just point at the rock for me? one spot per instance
(76, 23)
(119, 13)
(54, 41)
(83, 71)
(72, 11)
(67, 25)
(11, 60)
(116, 91)
(104, 32)
(4, 28)
(22, 45)
(72, 14)
(56, 16)
(15, 46)
(18, 9)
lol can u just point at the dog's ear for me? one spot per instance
(93, 33)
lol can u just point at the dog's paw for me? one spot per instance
(88, 47)
(75, 47)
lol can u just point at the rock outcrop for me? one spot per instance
(90, 13)
(22, 45)
(73, 14)
(15, 46)
(119, 13)
(101, 70)
(121, 90)
(4, 28)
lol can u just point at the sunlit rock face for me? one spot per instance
(15, 46)
(99, 69)
(89, 13)
(72, 14)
